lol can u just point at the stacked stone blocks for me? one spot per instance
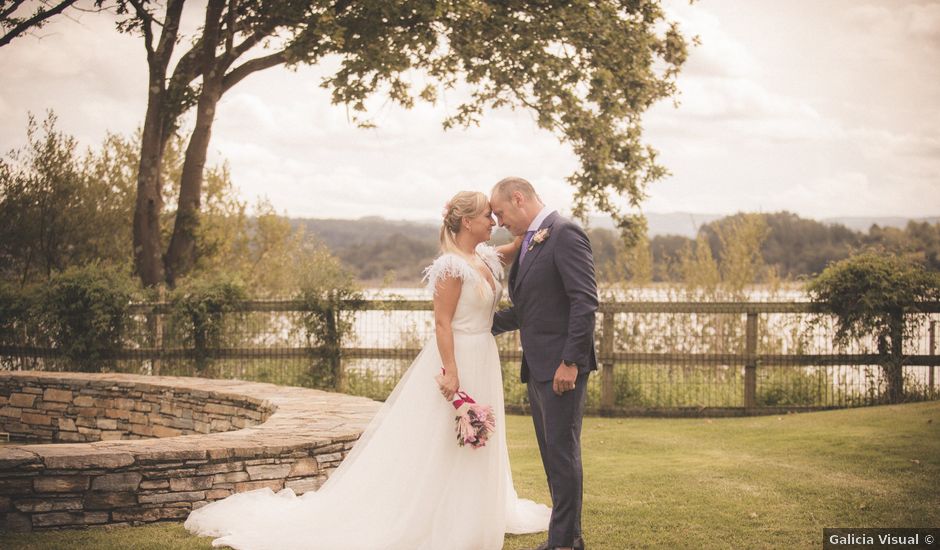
(100, 410)
(166, 445)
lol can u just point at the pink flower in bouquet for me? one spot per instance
(474, 423)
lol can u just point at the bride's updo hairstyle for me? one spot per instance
(465, 204)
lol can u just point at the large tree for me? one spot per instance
(586, 69)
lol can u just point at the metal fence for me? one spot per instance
(657, 358)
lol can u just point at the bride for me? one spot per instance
(407, 484)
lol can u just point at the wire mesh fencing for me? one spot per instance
(668, 358)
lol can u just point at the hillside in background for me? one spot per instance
(687, 224)
(376, 249)
(864, 224)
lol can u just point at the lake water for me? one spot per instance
(655, 332)
(791, 333)
(652, 293)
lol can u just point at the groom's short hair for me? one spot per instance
(507, 186)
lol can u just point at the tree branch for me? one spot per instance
(254, 65)
(171, 25)
(145, 21)
(188, 67)
(210, 33)
(230, 26)
(36, 20)
(237, 51)
(99, 9)
(9, 11)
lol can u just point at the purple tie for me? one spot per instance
(525, 245)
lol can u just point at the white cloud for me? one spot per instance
(283, 139)
(923, 21)
(719, 53)
(820, 194)
(93, 77)
(890, 144)
(721, 85)
(918, 21)
(823, 109)
(738, 98)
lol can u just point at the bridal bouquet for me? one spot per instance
(475, 423)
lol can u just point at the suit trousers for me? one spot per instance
(557, 422)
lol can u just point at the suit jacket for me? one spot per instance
(554, 300)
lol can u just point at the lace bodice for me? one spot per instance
(478, 300)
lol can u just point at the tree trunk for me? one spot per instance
(181, 255)
(147, 245)
(894, 371)
(149, 205)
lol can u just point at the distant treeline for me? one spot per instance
(64, 210)
(376, 249)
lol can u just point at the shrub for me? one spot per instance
(329, 296)
(83, 312)
(14, 312)
(872, 295)
(201, 307)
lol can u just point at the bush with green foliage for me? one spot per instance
(83, 313)
(329, 298)
(873, 295)
(203, 308)
(14, 308)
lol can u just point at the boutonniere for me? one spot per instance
(538, 238)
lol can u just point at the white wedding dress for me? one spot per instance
(406, 484)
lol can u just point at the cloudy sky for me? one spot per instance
(821, 108)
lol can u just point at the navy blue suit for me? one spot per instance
(554, 301)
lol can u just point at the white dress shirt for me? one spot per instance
(539, 218)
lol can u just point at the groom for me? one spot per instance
(554, 297)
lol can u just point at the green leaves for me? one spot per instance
(586, 70)
(870, 292)
(329, 299)
(83, 311)
(870, 295)
(202, 306)
(61, 209)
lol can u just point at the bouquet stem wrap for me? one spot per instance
(474, 423)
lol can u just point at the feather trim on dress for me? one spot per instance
(453, 265)
(491, 257)
(447, 265)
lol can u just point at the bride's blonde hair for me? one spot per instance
(465, 204)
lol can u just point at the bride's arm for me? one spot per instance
(446, 294)
(508, 251)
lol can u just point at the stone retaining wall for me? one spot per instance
(47, 409)
(219, 437)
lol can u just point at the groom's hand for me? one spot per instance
(565, 377)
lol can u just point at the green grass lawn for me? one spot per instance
(761, 482)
